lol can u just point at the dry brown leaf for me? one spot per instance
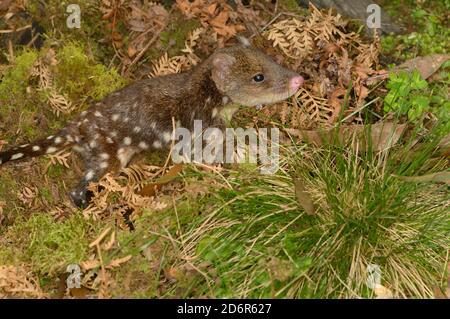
(151, 189)
(439, 177)
(303, 197)
(426, 65)
(383, 135)
(119, 261)
(382, 292)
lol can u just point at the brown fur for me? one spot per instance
(140, 116)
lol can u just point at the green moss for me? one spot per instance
(12, 88)
(290, 5)
(47, 245)
(55, 171)
(81, 77)
(46, 194)
(172, 40)
(7, 184)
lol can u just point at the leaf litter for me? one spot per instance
(339, 66)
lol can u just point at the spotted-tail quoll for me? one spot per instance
(140, 116)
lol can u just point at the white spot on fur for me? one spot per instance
(153, 125)
(143, 145)
(127, 141)
(89, 175)
(157, 144)
(135, 104)
(214, 112)
(104, 156)
(125, 154)
(126, 119)
(167, 136)
(58, 140)
(16, 156)
(85, 120)
(137, 129)
(51, 149)
(36, 148)
(109, 140)
(104, 165)
(113, 133)
(115, 117)
(93, 144)
(78, 149)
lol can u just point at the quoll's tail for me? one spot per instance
(49, 145)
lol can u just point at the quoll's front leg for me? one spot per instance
(100, 155)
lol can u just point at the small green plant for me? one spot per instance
(407, 95)
(431, 35)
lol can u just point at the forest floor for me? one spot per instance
(363, 184)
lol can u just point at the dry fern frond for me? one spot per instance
(60, 158)
(58, 102)
(17, 282)
(139, 174)
(124, 189)
(176, 64)
(333, 58)
(28, 195)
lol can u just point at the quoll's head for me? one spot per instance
(249, 77)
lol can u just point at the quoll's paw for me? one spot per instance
(81, 197)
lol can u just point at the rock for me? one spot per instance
(356, 10)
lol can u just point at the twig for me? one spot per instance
(16, 30)
(152, 40)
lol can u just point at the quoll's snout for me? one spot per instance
(296, 82)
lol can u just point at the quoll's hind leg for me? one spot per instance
(100, 157)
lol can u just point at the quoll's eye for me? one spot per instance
(258, 78)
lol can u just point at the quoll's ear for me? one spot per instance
(222, 64)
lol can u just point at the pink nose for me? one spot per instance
(296, 82)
